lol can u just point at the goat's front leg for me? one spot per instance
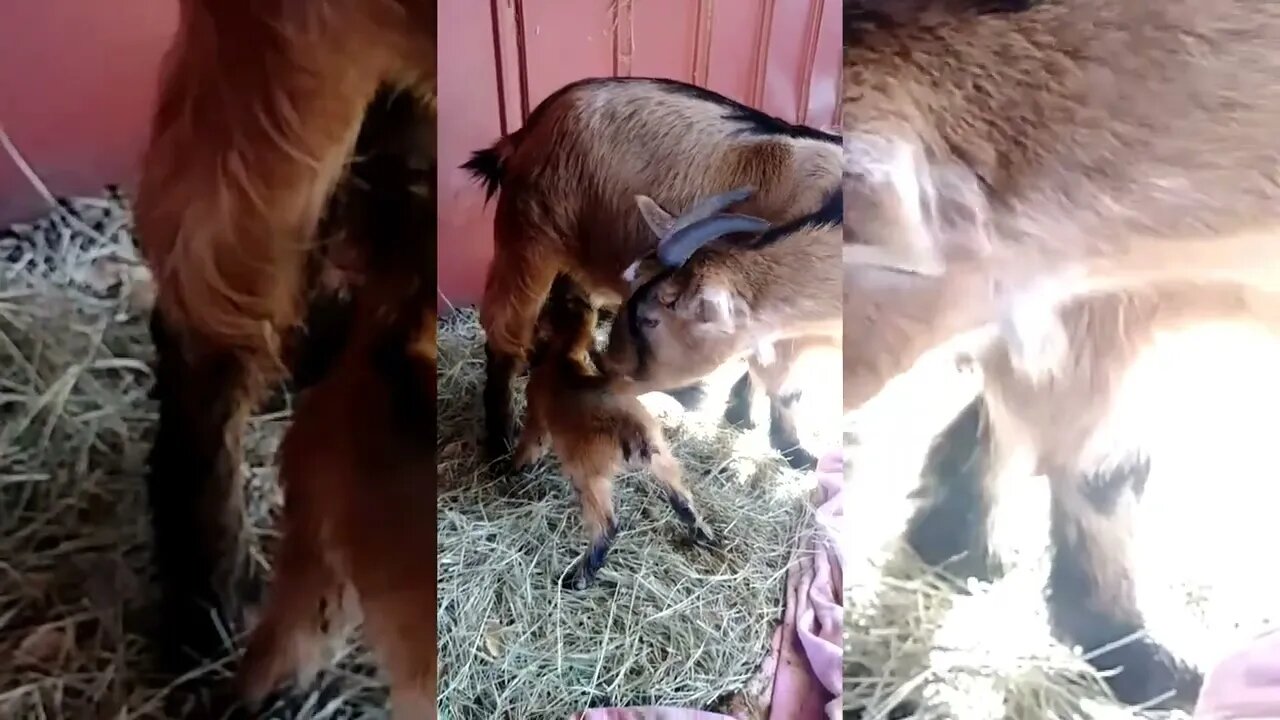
(195, 492)
(951, 527)
(667, 471)
(595, 493)
(1092, 599)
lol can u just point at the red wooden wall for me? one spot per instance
(499, 58)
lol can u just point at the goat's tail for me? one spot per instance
(488, 166)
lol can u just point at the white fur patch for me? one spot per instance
(765, 352)
(1031, 326)
(630, 273)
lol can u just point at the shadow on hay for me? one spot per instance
(664, 624)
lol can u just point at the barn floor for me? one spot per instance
(987, 654)
(664, 625)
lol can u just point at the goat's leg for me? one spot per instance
(783, 435)
(532, 445)
(400, 625)
(515, 289)
(667, 471)
(1092, 600)
(305, 610)
(595, 493)
(950, 529)
(195, 491)
(742, 398)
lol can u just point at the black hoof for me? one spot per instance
(800, 459)
(702, 536)
(1144, 671)
(578, 580)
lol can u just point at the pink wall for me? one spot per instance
(782, 56)
(77, 79)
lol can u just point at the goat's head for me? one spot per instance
(685, 310)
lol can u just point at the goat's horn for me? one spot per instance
(676, 249)
(710, 207)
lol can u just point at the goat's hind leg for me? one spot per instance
(1092, 599)
(667, 471)
(516, 288)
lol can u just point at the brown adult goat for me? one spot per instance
(569, 178)
(1088, 428)
(1104, 143)
(594, 432)
(259, 108)
(699, 301)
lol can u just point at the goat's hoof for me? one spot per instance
(702, 536)
(577, 580)
(1149, 671)
(800, 459)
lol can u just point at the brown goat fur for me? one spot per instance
(358, 463)
(594, 432)
(1069, 422)
(1112, 143)
(357, 535)
(569, 177)
(259, 108)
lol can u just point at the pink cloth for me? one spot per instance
(809, 672)
(1244, 686)
(648, 713)
(806, 662)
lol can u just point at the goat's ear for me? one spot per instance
(658, 220)
(715, 310)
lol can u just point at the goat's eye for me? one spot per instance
(648, 322)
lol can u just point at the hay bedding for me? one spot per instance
(664, 623)
(76, 596)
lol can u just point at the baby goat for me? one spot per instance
(594, 432)
(358, 463)
(699, 300)
(569, 177)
